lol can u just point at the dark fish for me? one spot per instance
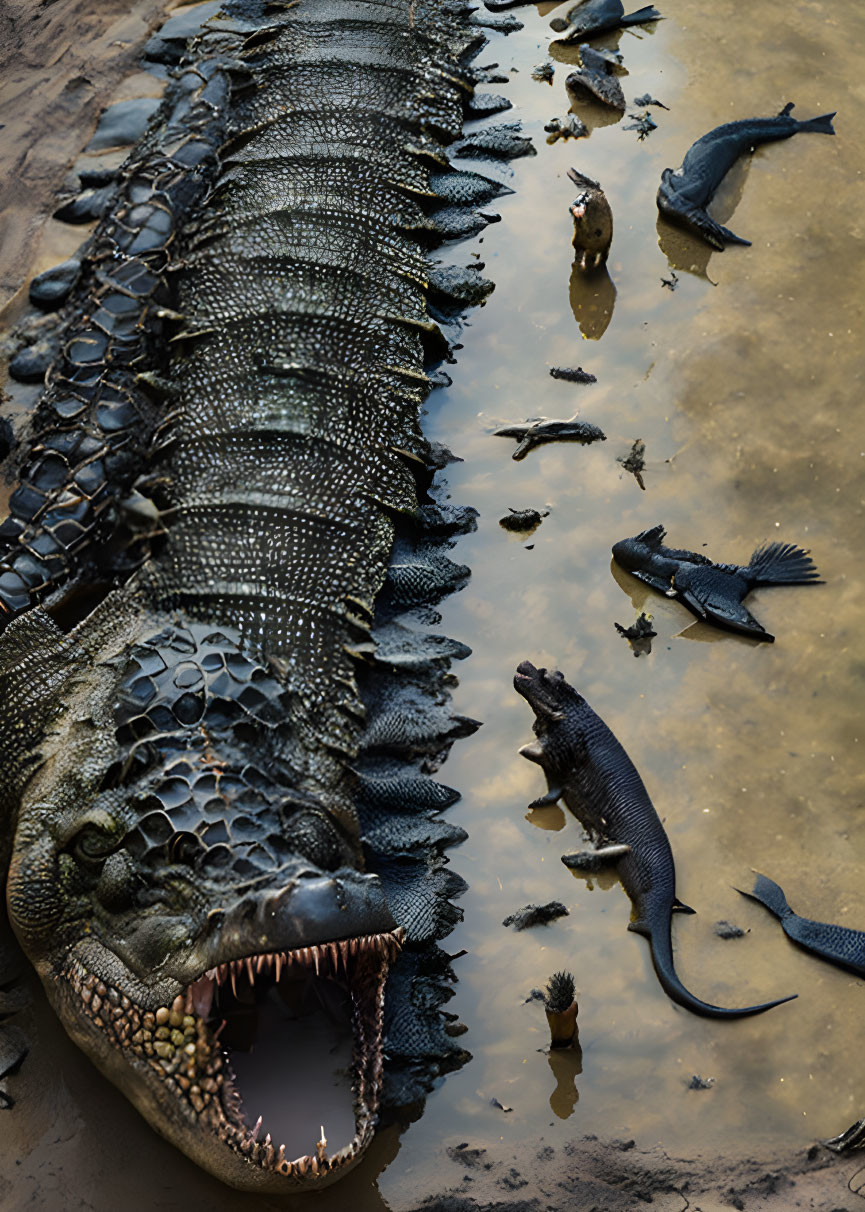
(597, 16)
(587, 767)
(714, 592)
(533, 433)
(684, 194)
(837, 944)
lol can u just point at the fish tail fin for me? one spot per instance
(661, 948)
(821, 126)
(768, 893)
(782, 564)
(649, 13)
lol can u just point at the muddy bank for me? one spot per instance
(60, 64)
(589, 1175)
(745, 384)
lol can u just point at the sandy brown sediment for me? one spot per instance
(71, 55)
(589, 1175)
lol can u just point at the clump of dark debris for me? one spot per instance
(640, 630)
(535, 915)
(639, 635)
(672, 282)
(643, 124)
(544, 72)
(569, 127)
(701, 1083)
(635, 461)
(729, 930)
(523, 521)
(573, 374)
(647, 99)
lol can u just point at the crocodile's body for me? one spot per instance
(587, 767)
(211, 800)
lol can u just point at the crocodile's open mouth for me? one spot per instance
(279, 1054)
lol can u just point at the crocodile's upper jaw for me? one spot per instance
(177, 1062)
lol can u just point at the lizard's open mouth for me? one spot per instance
(279, 1054)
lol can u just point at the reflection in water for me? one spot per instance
(566, 1065)
(549, 817)
(593, 297)
(593, 114)
(603, 879)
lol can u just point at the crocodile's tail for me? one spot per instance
(768, 893)
(661, 947)
(782, 564)
(650, 13)
(821, 126)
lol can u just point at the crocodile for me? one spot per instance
(220, 719)
(588, 768)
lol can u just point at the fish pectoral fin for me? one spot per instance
(728, 612)
(595, 860)
(703, 224)
(648, 579)
(681, 907)
(524, 446)
(638, 926)
(545, 801)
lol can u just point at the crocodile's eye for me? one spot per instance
(93, 844)
(184, 848)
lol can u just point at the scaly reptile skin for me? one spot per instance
(211, 800)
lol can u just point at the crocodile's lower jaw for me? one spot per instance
(171, 1062)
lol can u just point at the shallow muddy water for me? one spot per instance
(745, 383)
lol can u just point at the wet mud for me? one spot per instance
(745, 384)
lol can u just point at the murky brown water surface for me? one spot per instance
(746, 385)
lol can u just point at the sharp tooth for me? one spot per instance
(315, 960)
(321, 1145)
(314, 1166)
(260, 962)
(250, 970)
(301, 1163)
(201, 996)
(233, 985)
(277, 959)
(280, 1157)
(333, 952)
(255, 1130)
